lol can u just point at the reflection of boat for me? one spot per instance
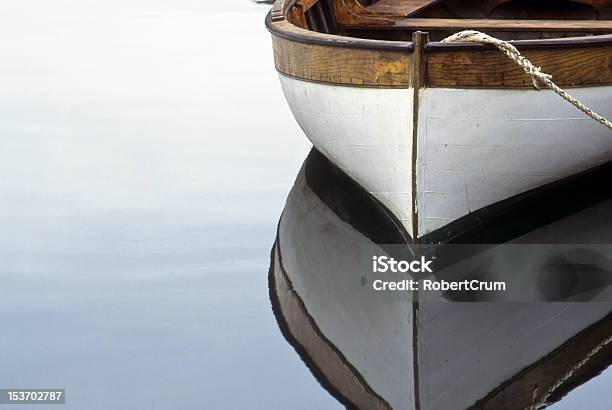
(438, 132)
(375, 353)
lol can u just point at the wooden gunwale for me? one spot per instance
(288, 31)
(331, 59)
(490, 69)
(573, 62)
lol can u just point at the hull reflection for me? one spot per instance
(377, 353)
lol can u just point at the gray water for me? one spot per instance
(145, 155)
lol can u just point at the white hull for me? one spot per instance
(367, 132)
(475, 147)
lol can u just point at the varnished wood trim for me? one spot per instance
(307, 4)
(327, 363)
(419, 67)
(570, 67)
(333, 59)
(343, 66)
(351, 12)
(306, 36)
(286, 30)
(277, 13)
(297, 17)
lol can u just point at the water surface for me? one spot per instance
(145, 157)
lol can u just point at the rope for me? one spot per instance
(537, 76)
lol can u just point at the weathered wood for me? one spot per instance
(278, 10)
(296, 17)
(296, 12)
(351, 12)
(391, 14)
(400, 7)
(570, 67)
(342, 65)
(313, 56)
(292, 32)
(306, 4)
(599, 5)
(419, 78)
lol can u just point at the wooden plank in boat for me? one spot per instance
(341, 65)
(489, 5)
(307, 4)
(400, 7)
(570, 67)
(340, 60)
(592, 26)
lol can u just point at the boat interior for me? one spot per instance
(396, 20)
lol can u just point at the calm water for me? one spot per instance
(145, 155)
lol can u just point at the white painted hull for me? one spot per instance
(367, 132)
(475, 147)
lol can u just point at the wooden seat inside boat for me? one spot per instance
(506, 19)
(498, 9)
(497, 14)
(400, 7)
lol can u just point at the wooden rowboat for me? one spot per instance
(447, 135)
(377, 353)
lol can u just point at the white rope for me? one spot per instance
(537, 76)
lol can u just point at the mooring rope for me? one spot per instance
(537, 76)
